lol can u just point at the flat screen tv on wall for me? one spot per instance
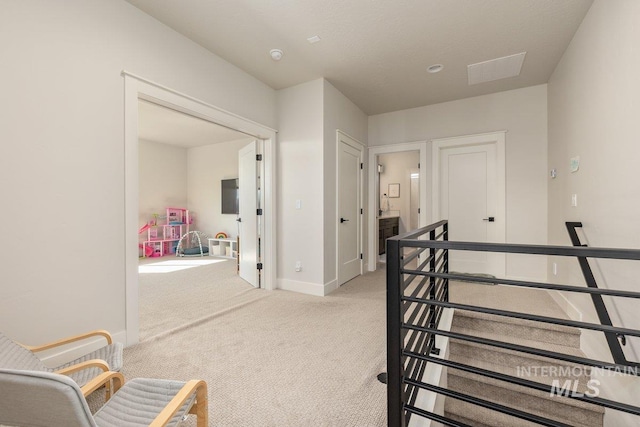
(230, 196)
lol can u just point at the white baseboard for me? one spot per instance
(308, 288)
(330, 286)
(72, 351)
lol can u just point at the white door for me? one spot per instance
(349, 209)
(470, 193)
(248, 218)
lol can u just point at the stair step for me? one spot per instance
(542, 376)
(508, 326)
(474, 422)
(474, 354)
(545, 336)
(483, 417)
(563, 409)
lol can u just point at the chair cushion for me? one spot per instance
(15, 356)
(112, 354)
(139, 402)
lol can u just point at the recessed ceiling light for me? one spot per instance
(435, 68)
(314, 39)
(276, 54)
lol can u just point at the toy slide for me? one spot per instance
(148, 250)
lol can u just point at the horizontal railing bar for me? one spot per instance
(442, 233)
(413, 255)
(489, 405)
(422, 266)
(525, 284)
(419, 231)
(623, 369)
(635, 410)
(572, 251)
(440, 257)
(406, 284)
(532, 317)
(435, 417)
(423, 316)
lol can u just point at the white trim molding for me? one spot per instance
(139, 88)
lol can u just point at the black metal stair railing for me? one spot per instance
(417, 292)
(400, 311)
(598, 302)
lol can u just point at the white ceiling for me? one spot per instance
(166, 126)
(376, 52)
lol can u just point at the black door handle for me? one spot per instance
(343, 220)
(490, 219)
(239, 219)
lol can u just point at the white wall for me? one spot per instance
(208, 166)
(397, 169)
(339, 114)
(300, 233)
(593, 114)
(308, 116)
(162, 179)
(523, 114)
(62, 123)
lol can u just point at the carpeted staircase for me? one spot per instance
(523, 332)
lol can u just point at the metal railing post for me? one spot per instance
(432, 287)
(395, 404)
(445, 265)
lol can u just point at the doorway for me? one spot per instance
(469, 191)
(414, 189)
(137, 88)
(399, 195)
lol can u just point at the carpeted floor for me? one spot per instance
(270, 358)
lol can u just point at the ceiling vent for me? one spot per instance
(496, 69)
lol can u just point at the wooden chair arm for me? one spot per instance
(68, 340)
(200, 406)
(103, 379)
(93, 363)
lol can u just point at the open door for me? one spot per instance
(248, 253)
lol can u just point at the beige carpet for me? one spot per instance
(270, 358)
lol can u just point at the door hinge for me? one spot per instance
(361, 211)
(259, 266)
(418, 165)
(418, 210)
(259, 212)
(361, 165)
(258, 157)
(361, 256)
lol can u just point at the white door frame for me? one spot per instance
(136, 88)
(498, 138)
(361, 148)
(424, 217)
